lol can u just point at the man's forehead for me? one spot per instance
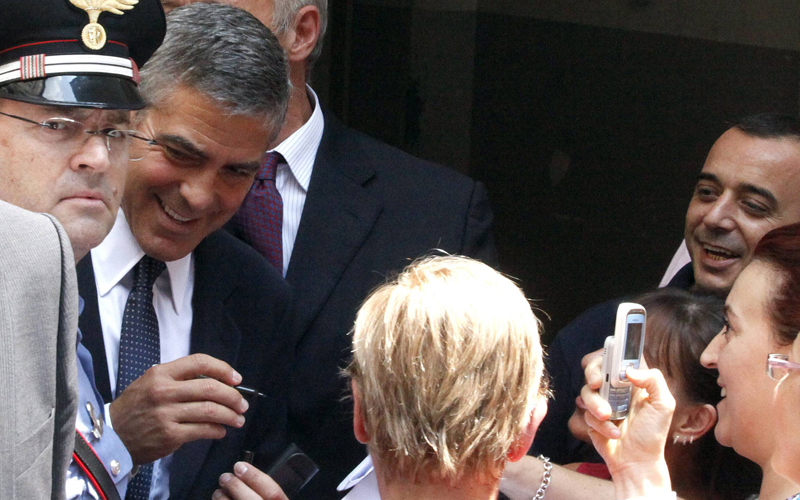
(198, 119)
(739, 159)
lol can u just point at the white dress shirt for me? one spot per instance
(680, 259)
(113, 261)
(363, 481)
(299, 151)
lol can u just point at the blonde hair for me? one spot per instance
(448, 366)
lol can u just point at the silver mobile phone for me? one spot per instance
(621, 351)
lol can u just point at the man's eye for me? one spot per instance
(56, 125)
(114, 133)
(241, 172)
(177, 155)
(755, 208)
(705, 192)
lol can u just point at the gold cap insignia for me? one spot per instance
(93, 34)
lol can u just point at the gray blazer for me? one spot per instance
(38, 379)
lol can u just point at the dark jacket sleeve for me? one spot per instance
(552, 438)
(585, 334)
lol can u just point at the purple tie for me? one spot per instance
(260, 218)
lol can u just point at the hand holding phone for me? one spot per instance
(621, 351)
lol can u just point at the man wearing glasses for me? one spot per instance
(68, 76)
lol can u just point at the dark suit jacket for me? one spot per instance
(371, 210)
(240, 307)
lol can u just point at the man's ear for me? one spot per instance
(301, 38)
(693, 421)
(359, 429)
(520, 448)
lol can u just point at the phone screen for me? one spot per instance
(633, 343)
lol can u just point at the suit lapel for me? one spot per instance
(338, 215)
(214, 333)
(91, 328)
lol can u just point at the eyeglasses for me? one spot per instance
(779, 366)
(136, 155)
(67, 134)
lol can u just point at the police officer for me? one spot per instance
(68, 77)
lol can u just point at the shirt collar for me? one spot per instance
(119, 252)
(300, 149)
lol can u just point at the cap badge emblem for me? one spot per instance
(93, 34)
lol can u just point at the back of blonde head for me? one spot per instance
(448, 364)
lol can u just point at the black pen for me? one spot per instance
(244, 391)
(247, 391)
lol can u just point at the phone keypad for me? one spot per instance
(619, 398)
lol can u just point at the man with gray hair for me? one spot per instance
(178, 312)
(351, 211)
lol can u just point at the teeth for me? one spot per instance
(723, 392)
(173, 214)
(717, 253)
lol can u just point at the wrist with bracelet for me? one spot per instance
(547, 466)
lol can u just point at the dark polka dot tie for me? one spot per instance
(139, 349)
(259, 221)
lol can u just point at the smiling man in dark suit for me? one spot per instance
(166, 283)
(353, 211)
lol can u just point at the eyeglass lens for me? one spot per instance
(65, 132)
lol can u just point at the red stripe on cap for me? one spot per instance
(52, 41)
(37, 43)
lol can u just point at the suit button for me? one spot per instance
(115, 467)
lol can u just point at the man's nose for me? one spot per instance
(92, 153)
(722, 214)
(198, 189)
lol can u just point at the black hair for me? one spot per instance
(770, 126)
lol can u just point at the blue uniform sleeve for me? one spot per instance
(108, 447)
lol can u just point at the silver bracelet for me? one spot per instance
(545, 477)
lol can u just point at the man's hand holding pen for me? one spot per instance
(174, 403)
(248, 392)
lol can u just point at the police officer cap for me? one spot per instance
(83, 53)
